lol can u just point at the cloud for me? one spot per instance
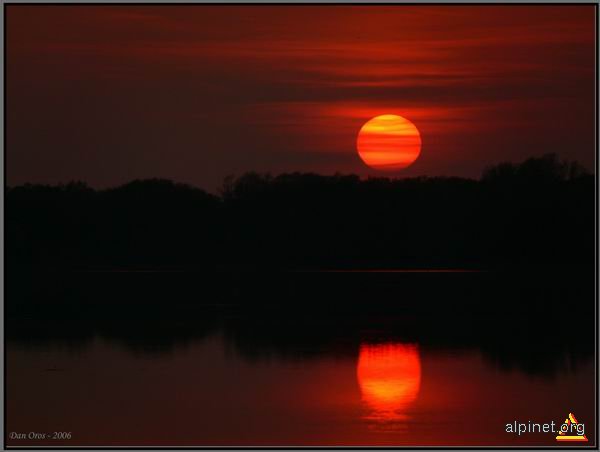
(232, 87)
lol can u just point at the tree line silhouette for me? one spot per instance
(537, 213)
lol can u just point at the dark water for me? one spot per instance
(273, 376)
(209, 391)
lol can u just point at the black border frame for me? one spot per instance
(6, 5)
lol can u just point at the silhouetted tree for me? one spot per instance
(539, 212)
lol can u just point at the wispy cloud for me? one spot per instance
(293, 81)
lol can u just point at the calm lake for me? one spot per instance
(298, 382)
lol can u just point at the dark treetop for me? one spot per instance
(540, 212)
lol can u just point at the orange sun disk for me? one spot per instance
(388, 142)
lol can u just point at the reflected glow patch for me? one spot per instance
(389, 376)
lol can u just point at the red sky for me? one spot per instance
(106, 94)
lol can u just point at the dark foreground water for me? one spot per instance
(229, 376)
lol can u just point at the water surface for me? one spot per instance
(262, 383)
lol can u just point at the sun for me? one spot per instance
(388, 142)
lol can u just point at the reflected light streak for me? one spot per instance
(389, 376)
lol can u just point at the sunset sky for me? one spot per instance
(107, 94)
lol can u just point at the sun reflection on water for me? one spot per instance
(389, 376)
